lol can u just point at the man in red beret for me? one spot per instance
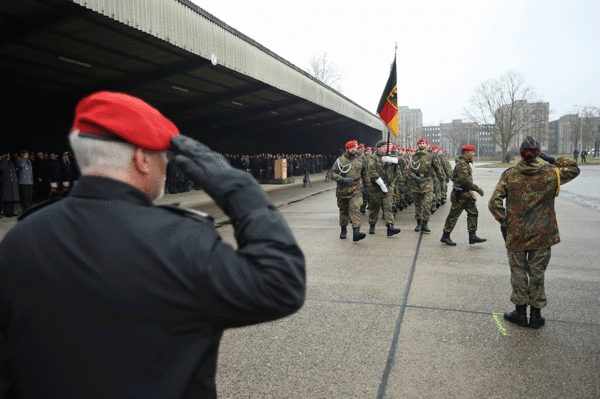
(350, 173)
(422, 166)
(462, 197)
(116, 297)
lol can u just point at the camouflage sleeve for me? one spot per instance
(447, 167)
(364, 174)
(373, 172)
(335, 171)
(463, 178)
(568, 169)
(496, 204)
(436, 166)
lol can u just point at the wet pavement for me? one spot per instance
(409, 317)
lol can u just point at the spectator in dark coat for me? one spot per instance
(10, 186)
(25, 173)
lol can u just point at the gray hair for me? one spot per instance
(92, 154)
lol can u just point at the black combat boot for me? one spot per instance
(343, 233)
(357, 235)
(535, 318)
(438, 204)
(443, 200)
(473, 239)
(391, 230)
(372, 229)
(433, 209)
(446, 239)
(424, 227)
(419, 225)
(363, 209)
(518, 316)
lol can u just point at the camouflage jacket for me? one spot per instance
(422, 164)
(353, 167)
(529, 191)
(446, 165)
(462, 178)
(378, 169)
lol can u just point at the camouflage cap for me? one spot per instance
(380, 143)
(530, 144)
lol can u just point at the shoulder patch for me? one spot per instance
(190, 213)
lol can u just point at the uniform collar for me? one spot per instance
(108, 189)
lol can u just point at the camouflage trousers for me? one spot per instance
(455, 212)
(527, 270)
(423, 204)
(385, 203)
(350, 210)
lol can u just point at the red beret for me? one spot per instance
(468, 148)
(361, 145)
(421, 140)
(351, 144)
(121, 116)
(368, 149)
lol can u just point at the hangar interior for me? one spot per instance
(54, 52)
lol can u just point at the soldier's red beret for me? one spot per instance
(361, 145)
(468, 148)
(351, 144)
(123, 117)
(368, 149)
(421, 139)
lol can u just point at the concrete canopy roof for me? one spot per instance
(54, 52)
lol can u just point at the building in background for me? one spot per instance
(410, 127)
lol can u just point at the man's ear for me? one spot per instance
(141, 161)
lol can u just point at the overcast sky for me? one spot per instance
(445, 49)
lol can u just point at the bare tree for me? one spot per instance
(326, 71)
(585, 128)
(508, 104)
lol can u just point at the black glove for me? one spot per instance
(419, 180)
(480, 191)
(547, 158)
(503, 230)
(236, 192)
(346, 180)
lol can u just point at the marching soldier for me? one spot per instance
(421, 165)
(528, 225)
(380, 194)
(350, 173)
(462, 198)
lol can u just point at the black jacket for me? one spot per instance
(115, 297)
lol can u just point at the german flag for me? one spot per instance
(388, 105)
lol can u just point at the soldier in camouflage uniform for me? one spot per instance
(420, 166)
(528, 225)
(462, 198)
(447, 170)
(380, 196)
(350, 173)
(365, 189)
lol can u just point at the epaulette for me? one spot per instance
(190, 213)
(38, 207)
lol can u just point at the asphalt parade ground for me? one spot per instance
(409, 317)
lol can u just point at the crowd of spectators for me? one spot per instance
(28, 178)
(261, 166)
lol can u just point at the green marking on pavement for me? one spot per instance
(501, 327)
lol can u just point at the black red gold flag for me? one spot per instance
(388, 105)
